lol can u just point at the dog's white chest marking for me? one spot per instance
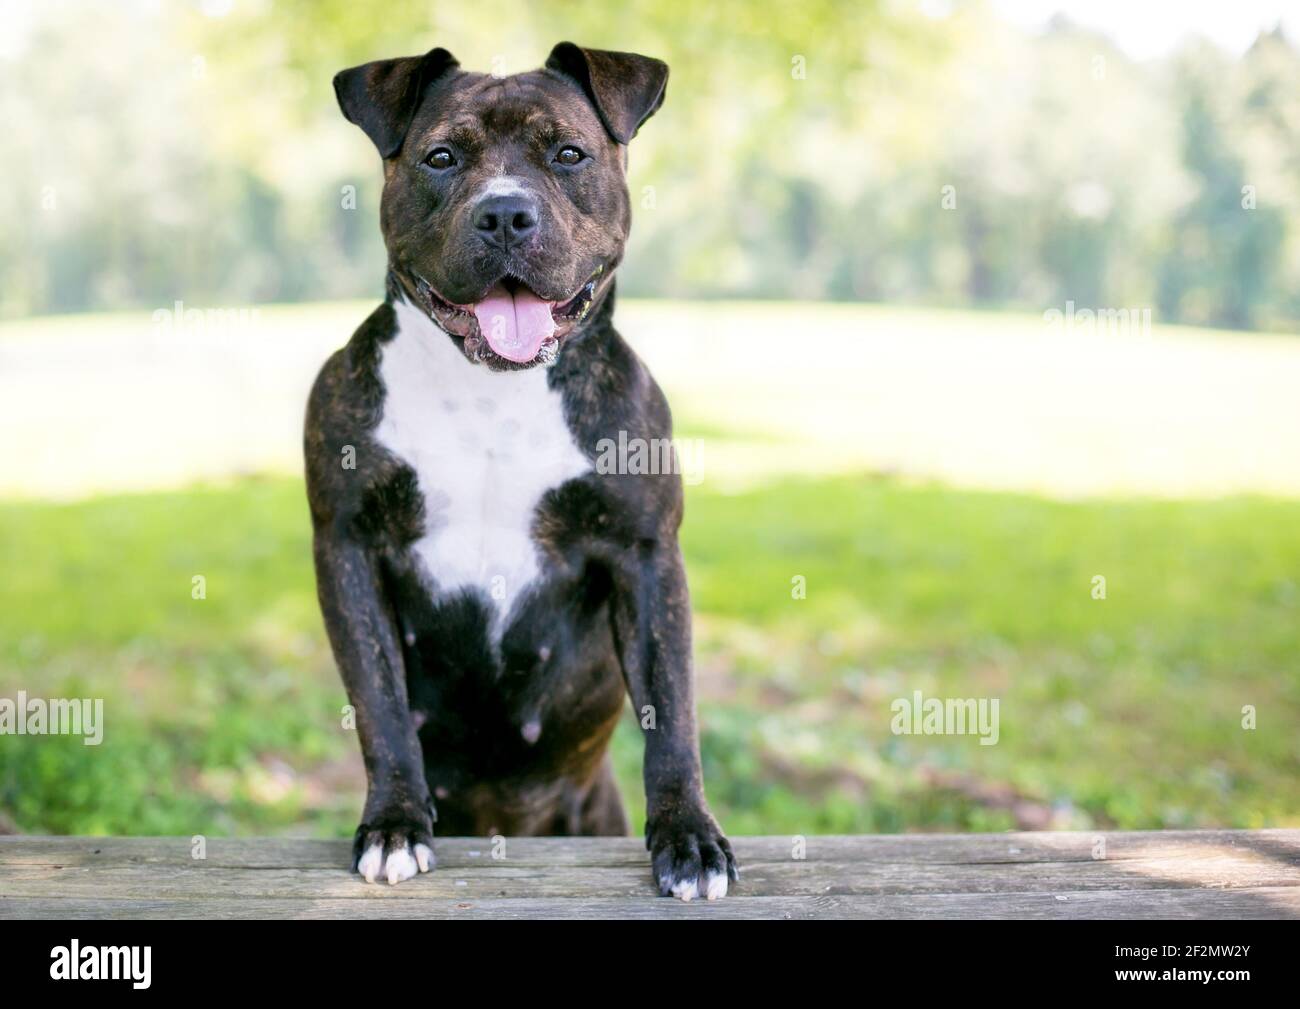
(485, 447)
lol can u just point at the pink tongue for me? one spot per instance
(514, 325)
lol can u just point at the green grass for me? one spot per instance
(223, 714)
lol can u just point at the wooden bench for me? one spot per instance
(1167, 874)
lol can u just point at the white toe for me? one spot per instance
(423, 857)
(715, 885)
(370, 862)
(400, 866)
(686, 889)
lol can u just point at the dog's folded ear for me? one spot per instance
(382, 97)
(625, 88)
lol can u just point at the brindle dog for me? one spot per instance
(490, 593)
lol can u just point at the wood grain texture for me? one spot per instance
(1167, 874)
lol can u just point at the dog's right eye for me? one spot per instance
(569, 156)
(440, 159)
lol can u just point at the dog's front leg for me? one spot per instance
(396, 833)
(690, 857)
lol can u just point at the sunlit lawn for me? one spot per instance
(991, 400)
(223, 714)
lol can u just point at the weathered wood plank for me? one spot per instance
(963, 849)
(1264, 903)
(504, 879)
(1150, 874)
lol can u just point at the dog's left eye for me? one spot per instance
(569, 156)
(441, 158)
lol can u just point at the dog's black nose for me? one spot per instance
(506, 220)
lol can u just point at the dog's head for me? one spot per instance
(505, 205)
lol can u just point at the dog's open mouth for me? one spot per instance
(511, 320)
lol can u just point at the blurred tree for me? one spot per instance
(827, 149)
(1223, 249)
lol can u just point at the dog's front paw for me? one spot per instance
(393, 847)
(689, 856)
